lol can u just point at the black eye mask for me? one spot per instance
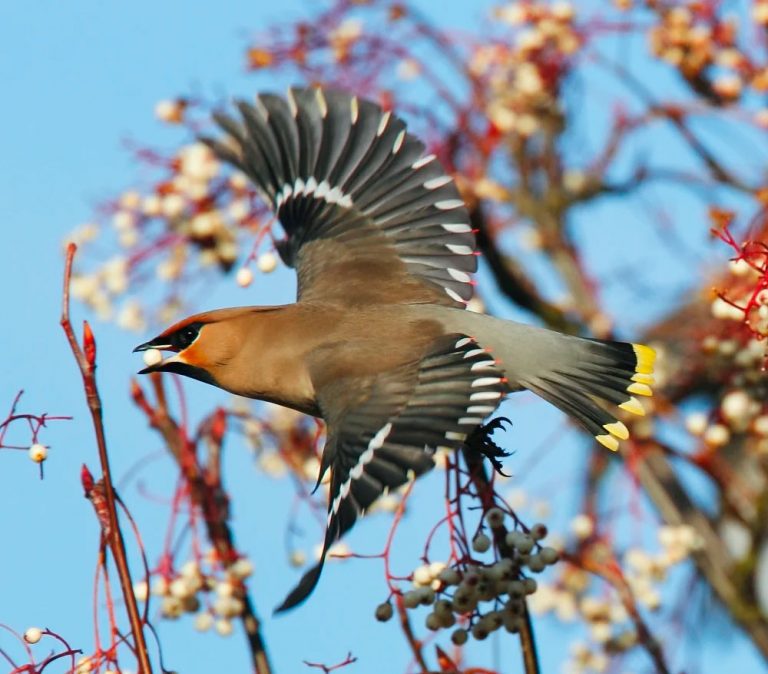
(184, 337)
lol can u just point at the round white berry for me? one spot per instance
(696, 423)
(525, 545)
(717, 435)
(582, 526)
(33, 635)
(422, 576)
(267, 262)
(224, 627)
(38, 453)
(436, 568)
(203, 621)
(140, 590)
(549, 555)
(152, 357)
(244, 277)
(242, 568)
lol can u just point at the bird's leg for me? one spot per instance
(480, 441)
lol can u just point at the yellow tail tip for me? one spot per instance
(646, 357)
(644, 378)
(633, 406)
(639, 389)
(618, 429)
(608, 441)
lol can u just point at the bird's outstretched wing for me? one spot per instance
(368, 216)
(382, 442)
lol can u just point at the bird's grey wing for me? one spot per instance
(382, 432)
(367, 215)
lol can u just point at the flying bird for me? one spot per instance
(378, 343)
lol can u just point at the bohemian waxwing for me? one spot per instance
(378, 343)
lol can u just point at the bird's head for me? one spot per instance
(200, 346)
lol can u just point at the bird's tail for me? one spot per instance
(590, 379)
(304, 588)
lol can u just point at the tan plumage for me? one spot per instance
(378, 343)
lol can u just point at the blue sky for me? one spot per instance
(77, 80)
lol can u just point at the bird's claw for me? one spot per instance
(480, 440)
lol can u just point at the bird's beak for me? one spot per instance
(160, 345)
(146, 346)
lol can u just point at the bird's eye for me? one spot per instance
(185, 337)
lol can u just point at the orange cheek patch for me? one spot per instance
(192, 355)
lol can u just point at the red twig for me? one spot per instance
(205, 491)
(85, 357)
(332, 668)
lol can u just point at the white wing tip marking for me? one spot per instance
(483, 365)
(378, 440)
(458, 275)
(454, 295)
(398, 142)
(261, 108)
(448, 204)
(292, 103)
(375, 443)
(470, 421)
(321, 103)
(486, 381)
(334, 195)
(463, 342)
(485, 410)
(458, 228)
(474, 352)
(323, 190)
(459, 249)
(354, 109)
(434, 183)
(484, 395)
(450, 435)
(383, 123)
(423, 161)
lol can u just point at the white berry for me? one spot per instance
(203, 622)
(38, 453)
(244, 277)
(152, 357)
(267, 262)
(224, 627)
(33, 635)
